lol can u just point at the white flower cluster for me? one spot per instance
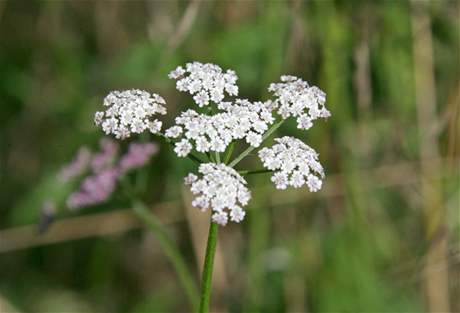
(294, 164)
(206, 82)
(130, 111)
(253, 119)
(241, 119)
(225, 120)
(221, 188)
(296, 98)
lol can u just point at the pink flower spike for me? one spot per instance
(76, 167)
(137, 156)
(108, 151)
(94, 189)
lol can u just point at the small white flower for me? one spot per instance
(314, 183)
(205, 81)
(182, 85)
(217, 144)
(294, 163)
(221, 188)
(138, 125)
(220, 218)
(260, 126)
(304, 122)
(224, 105)
(296, 98)
(178, 72)
(297, 179)
(201, 98)
(253, 139)
(183, 148)
(237, 214)
(238, 120)
(110, 125)
(231, 89)
(280, 180)
(190, 179)
(201, 202)
(202, 144)
(130, 111)
(194, 86)
(98, 118)
(217, 96)
(173, 132)
(244, 196)
(154, 126)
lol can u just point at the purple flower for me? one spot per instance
(137, 156)
(94, 189)
(107, 167)
(78, 165)
(108, 151)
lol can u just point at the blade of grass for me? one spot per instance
(171, 250)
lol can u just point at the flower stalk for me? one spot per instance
(229, 152)
(261, 171)
(208, 268)
(251, 148)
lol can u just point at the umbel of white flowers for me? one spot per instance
(218, 125)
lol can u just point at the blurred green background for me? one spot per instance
(382, 236)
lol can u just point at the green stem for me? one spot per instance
(261, 171)
(229, 152)
(208, 267)
(195, 159)
(171, 250)
(251, 148)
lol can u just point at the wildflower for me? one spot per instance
(174, 132)
(105, 157)
(254, 139)
(221, 188)
(250, 119)
(201, 98)
(296, 98)
(217, 186)
(107, 167)
(190, 178)
(183, 148)
(130, 111)
(238, 120)
(294, 164)
(280, 180)
(78, 165)
(314, 183)
(154, 126)
(205, 81)
(137, 156)
(178, 72)
(94, 189)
